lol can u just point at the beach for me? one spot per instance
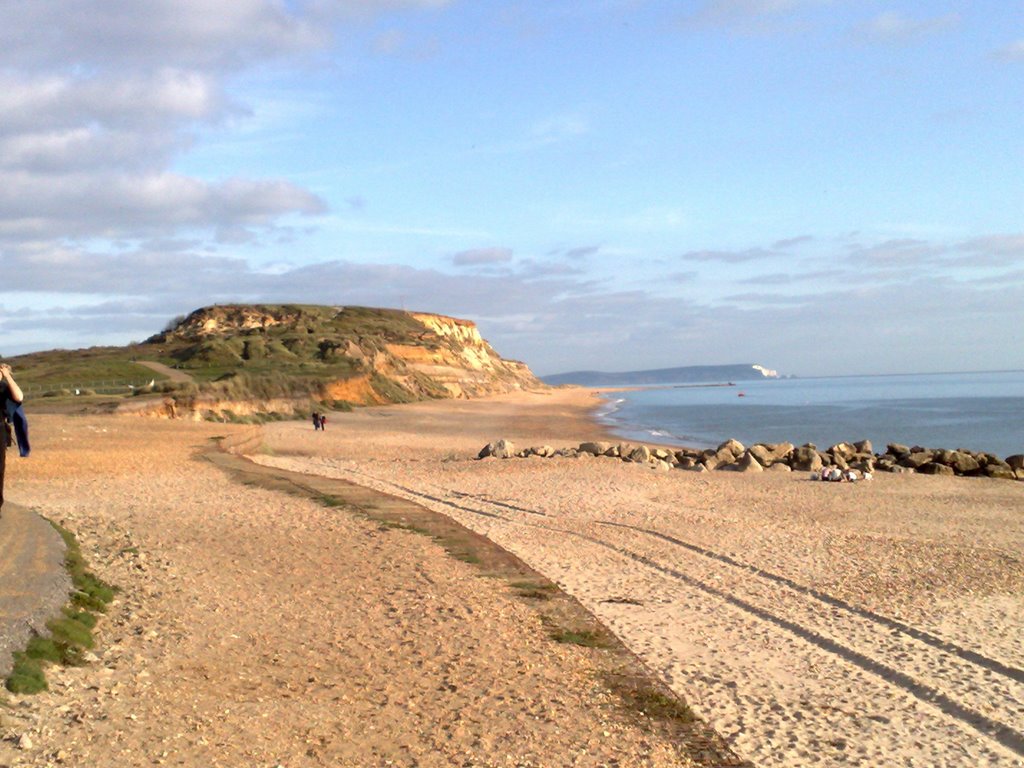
(872, 623)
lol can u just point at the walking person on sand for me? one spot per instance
(316, 420)
(10, 392)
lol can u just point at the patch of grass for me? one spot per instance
(27, 676)
(652, 702)
(583, 637)
(71, 632)
(43, 649)
(535, 590)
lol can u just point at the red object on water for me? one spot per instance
(740, 395)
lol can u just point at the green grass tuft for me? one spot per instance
(27, 676)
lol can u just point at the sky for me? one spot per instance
(824, 187)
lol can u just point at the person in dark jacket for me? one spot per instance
(9, 392)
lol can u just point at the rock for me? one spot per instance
(641, 454)
(990, 459)
(712, 462)
(594, 449)
(934, 468)
(659, 465)
(762, 453)
(999, 472)
(612, 451)
(898, 469)
(778, 466)
(842, 451)
(806, 459)
(734, 447)
(897, 449)
(748, 463)
(1016, 461)
(864, 446)
(500, 449)
(687, 462)
(661, 454)
(917, 459)
(962, 463)
(25, 742)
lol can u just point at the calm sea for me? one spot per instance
(977, 411)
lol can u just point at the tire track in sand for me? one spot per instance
(978, 692)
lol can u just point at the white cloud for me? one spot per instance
(1012, 52)
(749, 16)
(482, 256)
(895, 27)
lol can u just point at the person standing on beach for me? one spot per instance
(316, 420)
(9, 392)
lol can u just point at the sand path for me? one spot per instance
(871, 624)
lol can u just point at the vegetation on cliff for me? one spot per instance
(332, 355)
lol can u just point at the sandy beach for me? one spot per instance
(810, 624)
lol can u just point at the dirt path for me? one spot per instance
(174, 374)
(33, 582)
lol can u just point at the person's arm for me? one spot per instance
(12, 386)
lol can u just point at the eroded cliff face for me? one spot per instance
(360, 355)
(464, 364)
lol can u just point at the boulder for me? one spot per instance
(499, 449)
(734, 447)
(916, 459)
(1016, 461)
(640, 454)
(687, 462)
(778, 466)
(934, 468)
(990, 459)
(864, 446)
(660, 466)
(594, 449)
(999, 472)
(897, 449)
(662, 454)
(962, 463)
(806, 459)
(842, 451)
(763, 453)
(747, 463)
(712, 462)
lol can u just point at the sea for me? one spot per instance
(975, 411)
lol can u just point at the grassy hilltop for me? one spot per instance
(336, 356)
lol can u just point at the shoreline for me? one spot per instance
(662, 434)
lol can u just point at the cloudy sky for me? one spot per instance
(820, 186)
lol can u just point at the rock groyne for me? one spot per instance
(733, 456)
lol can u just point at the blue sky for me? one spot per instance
(820, 186)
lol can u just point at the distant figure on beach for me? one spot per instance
(323, 421)
(316, 420)
(11, 397)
